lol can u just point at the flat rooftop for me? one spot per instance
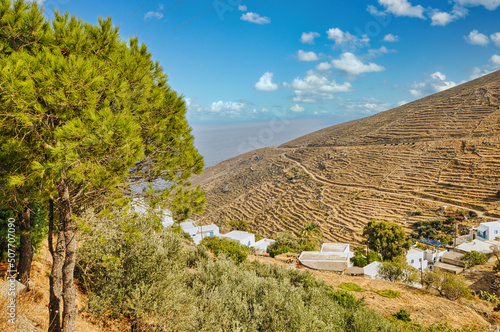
(334, 247)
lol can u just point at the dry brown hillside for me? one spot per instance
(402, 165)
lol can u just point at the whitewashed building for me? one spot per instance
(198, 233)
(245, 238)
(332, 257)
(488, 230)
(262, 244)
(416, 258)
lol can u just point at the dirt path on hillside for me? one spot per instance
(317, 178)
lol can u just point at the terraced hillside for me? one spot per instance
(415, 162)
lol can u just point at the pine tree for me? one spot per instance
(96, 120)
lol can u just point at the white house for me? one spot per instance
(371, 270)
(262, 244)
(416, 258)
(488, 230)
(332, 257)
(198, 233)
(245, 238)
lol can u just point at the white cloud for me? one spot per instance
(323, 66)
(379, 51)
(227, 108)
(402, 102)
(255, 18)
(477, 38)
(391, 38)
(495, 59)
(307, 56)
(242, 8)
(265, 83)
(374, 11)
(346, 39)
(435, 82)
(495, 38)
(152, 14)
(478, 72)
(488, 4)
(315, 87)
(443, 18)
(297, 108)
(402, 8)
(349, 63)
(308, 37)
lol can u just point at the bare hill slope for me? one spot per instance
(402, 165)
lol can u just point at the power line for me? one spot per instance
(196, 16)
(140, 8)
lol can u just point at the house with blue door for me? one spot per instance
(488, 230)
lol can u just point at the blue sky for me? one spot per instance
(254, 60)
(323, 61)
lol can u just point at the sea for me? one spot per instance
(217, 143)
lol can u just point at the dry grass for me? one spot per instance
(32, 310)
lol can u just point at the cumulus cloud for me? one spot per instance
(495, 59)
(402, 8)
(402, 102)
(390, 38)
(440, 18)
(488, 4)
(477, 38)
(350, 63)
(495, 38)
(346, 39)
(315, 87)
(226, 108)
(255, 18)
(324, 66)
(436, 82)
(374, 11)
(308, 37)
(297, 108)
(242, 8)
(265, 83)
(379, 51)
(307, 56)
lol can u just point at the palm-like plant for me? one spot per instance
(311, 231)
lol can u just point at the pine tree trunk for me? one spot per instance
(69, 290)
(25, 248)
(55, 279)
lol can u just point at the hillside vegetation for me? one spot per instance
(418, 162)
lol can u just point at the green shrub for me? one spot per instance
(238, 225)
(351, 287)
(388, 293)
(474, 258)
(178, 230)
(447, 284)
(232, 249)
(496, 268)
(402, 315)
(132, 273)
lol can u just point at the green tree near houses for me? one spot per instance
(311, 233)
(385, 238)
(93, 118)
